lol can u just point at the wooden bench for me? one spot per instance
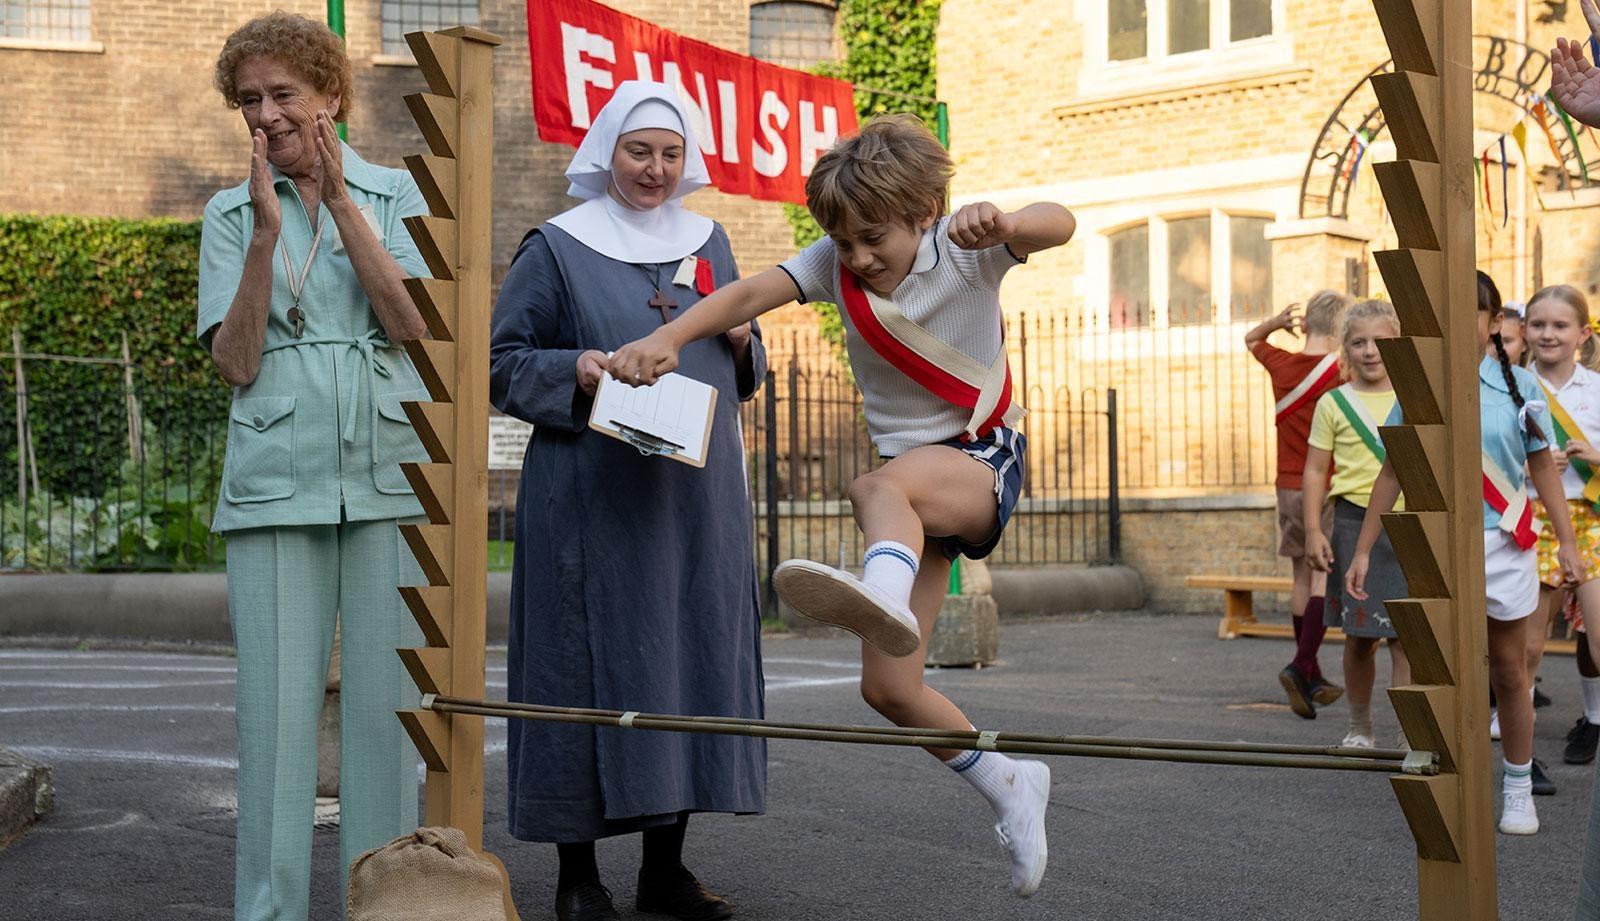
(1239, 616)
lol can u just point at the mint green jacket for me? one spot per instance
(320, 434)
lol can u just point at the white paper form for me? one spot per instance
(676, 410)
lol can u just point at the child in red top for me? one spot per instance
(1298, 380)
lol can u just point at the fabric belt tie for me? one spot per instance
(367, 346)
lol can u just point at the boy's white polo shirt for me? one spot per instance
(952, 293)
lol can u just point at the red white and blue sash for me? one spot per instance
(1323, 376)
(939, 367)
(1516, 513)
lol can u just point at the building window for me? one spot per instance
(1158, 29)
(1182, 270)
(792, 33)
(1249, 19)
(402, 16)
(1189, 271)
(1127, 25)
(46, 20)
(1250, 268)
(1130, 277)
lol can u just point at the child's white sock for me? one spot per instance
(1591, 699)
(1361, 718)
(1519, 777)
(891, 568)
(994, 774)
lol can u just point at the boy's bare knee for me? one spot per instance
(867, 487)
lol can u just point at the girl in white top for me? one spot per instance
(1563, 348)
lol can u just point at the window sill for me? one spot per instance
(1179, 87)
(393, 60)
(52, 44)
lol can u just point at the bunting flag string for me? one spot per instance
(1519, 133)
(1478, 167)
(1541, 112)
(1505, 183)
(1577, 151)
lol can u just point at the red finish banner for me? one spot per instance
(760, 126)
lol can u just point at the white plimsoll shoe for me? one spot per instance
(1494, 725)
(1355, 739)
(1021, 830)
(1517, 814)
(833, 596)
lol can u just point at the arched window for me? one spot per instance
(46, 20)
(793, 33)
(402, 16)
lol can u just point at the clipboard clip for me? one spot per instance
(647, 444)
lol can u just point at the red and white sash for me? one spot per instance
(941, 368)
(1321, 378)
(1516, 514)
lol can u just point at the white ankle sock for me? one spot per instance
(1519, 777)
(891, 568)
(1361, 718)
(992, 773)
(1591, 698)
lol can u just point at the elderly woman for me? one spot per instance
(634, 587)
(302, 307)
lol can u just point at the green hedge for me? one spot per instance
(889, 45)
(73, 285)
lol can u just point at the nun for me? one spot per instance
(634, 586)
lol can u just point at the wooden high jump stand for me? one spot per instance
(457, 120)
(1427, 102)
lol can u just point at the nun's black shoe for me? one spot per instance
(586, 902)
(679, 894)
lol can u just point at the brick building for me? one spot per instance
(108, 106)
(1208, 148)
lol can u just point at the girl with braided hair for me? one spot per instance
(1515, 452)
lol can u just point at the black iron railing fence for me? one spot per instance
(113, 468)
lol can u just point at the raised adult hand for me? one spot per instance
(330, 159)
(641, 363)
(1574, 82)
(263, 197)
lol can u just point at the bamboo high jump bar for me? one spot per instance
(1436, 455)
(1186, 751)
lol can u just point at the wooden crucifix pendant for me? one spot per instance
(663, 303)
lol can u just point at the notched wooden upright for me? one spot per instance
(455, 118)
(1427, 104)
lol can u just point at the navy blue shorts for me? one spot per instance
(1003, 452)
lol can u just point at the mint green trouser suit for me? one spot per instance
(286, 587)
(312, 495)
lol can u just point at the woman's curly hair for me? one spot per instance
(308, 47)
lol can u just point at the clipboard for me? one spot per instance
(670, 418)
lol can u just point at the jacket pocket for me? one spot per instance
(394, 442)
(260, 463)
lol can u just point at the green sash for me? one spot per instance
(1355, 412)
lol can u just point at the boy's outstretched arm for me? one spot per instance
(644, 361)
(1038, 226)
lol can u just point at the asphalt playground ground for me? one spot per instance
(143, 750)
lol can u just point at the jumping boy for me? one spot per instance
(920, 303)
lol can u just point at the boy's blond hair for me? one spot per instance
(1323, 310)
(1373, 309)
(893, 170)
